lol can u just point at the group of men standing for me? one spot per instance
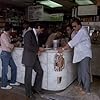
(80, 42)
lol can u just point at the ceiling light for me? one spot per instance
(50, 3)
(83, 2)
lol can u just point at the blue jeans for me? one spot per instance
(7, 59)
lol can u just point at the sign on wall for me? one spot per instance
(35, 13)
(53, 17)
(87, 10)
(56, 17)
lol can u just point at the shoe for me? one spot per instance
(7, 87)
(78, 87)
(37, 92)
(16, 83)
(88, 93)
(31, 96)
(82, 92)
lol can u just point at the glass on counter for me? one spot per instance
(55, 44)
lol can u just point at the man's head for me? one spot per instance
(8, 28)
(25, 24)
(39, 28)
(76, 24)
(58, 33)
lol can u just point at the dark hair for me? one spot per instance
(41, 25)
(26, 22)
(69, 25)
(58, 29)
(8, 26)
(77, 21)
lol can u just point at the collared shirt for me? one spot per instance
(26, 30)
(6, 42)
(81, 44)
(73, 34)
(35, 34)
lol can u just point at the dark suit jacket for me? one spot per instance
(30, 49)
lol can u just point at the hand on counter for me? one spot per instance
(17, 44)
(41, 49)
(12, 47)
(60, 49)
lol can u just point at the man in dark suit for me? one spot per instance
(31, 61)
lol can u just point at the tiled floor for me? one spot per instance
(70, 93)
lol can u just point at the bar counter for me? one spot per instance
(52, 80)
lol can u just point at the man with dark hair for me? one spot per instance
(26, 26)
(31, 61)
(82, 54)
(7, 59)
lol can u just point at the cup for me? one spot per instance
(46, 46)
(55, 44)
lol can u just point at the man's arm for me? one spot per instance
(6, 42)
(66, 47)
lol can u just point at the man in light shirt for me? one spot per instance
(82, 54)
(7, 59)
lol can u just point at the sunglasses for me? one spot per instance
(67, 29)
(74, 26)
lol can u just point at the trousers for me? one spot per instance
(28, 77)
(84, 73)
(7, 60)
